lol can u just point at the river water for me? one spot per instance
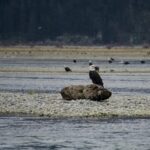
(126, 84)
(23, 133)
(74, 134)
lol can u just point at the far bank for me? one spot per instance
(73, 52)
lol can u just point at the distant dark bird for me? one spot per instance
(125, 62)
(90, 63)
(110, 60)
(94, 76)
(142, 62)
(74, 60)
(67, 69)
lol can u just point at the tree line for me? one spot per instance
(75, 21)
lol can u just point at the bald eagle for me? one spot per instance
(94, 75)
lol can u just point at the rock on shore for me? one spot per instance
(92, 92)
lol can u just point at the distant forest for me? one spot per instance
(75, 21)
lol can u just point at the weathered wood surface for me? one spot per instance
(92, 92)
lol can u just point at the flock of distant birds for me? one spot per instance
(94, 70)
(110, 60)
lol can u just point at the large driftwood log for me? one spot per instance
(92, 92)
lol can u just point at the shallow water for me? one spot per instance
(129, 84)
(52, 83)
(13, 62)
(74, 134)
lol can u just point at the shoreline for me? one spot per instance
(83, 118)
(73, 52)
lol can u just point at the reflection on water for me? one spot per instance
(69, 134)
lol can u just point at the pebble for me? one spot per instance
(52, 105)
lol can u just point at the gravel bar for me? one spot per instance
(52, 105)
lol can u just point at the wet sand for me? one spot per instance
(52, 105)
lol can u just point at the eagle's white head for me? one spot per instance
(92, 68)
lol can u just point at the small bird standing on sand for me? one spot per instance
(94, 75)
(67, 69)
(110, 60)
(125, 62)
(142, 62)
(74, 60)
